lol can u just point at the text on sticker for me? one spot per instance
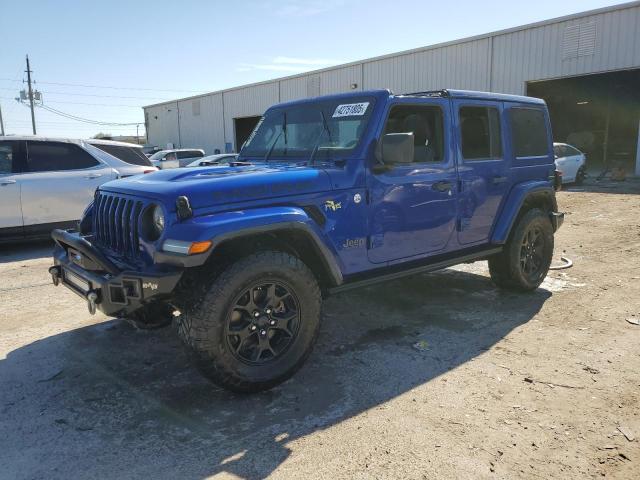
(351, 109)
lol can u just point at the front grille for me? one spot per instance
(116, 223)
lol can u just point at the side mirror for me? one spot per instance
(397, 148)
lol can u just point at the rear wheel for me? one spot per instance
(256, 324)
(580, 176)
(525, 260)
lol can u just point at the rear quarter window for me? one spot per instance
(528, 132)
(130, 155)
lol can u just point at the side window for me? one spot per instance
(55, 156)
(426, 123)
(169, 156)
(529, 133)
(7, 155)
(480, 133)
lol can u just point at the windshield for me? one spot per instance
(322, 130)
(157, 155)
(131, 155)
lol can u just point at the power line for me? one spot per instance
(109, 87)
(86, 120)
(84, 103)
(92, 95)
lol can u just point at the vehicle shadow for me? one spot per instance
(106, 401)
(28, 250)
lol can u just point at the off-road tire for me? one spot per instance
(202, 326)
(151, 317)
(506, 268)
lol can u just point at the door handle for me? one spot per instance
(93, 175)
(7, 182)
(498, 179)
(442, 186)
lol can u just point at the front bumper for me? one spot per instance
(86, 271)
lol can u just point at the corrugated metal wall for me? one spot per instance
(500, 62)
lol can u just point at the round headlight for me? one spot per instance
(158, 219)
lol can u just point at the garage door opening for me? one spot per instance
(599, 114)
(243, 128)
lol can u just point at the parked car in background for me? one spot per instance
(150, 150)
(45, 183)
(211, 160)
(129, 153)
(571, 162)
(175, 158)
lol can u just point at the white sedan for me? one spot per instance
(570, 162)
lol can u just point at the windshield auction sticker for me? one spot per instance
(351, 110)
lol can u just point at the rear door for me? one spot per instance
(483, 171)
(10, 210)
(59, 183)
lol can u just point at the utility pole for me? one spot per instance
(1, 122)
(33, 115)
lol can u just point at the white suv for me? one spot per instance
(46, 183)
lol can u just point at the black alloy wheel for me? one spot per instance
(263, 322)
(532, 253)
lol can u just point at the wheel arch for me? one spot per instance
(521, 199)
(297, 238)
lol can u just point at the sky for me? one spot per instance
(102, 61)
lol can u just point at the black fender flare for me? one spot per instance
(323, 252)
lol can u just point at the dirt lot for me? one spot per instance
(436, 376)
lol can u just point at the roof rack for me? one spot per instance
(430, 93)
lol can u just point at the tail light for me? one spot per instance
(150, 170)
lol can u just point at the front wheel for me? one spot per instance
(525, 260)
(580, 176)
(256, 324)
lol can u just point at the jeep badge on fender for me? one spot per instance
(327, 194)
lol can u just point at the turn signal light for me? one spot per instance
(199, 247)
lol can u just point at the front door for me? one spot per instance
(484, 174)
(413, 205)
(10, 210)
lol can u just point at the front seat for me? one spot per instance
(423, 151)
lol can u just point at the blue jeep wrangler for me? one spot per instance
(327, 194)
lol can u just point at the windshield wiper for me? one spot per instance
(325, 128)
(273, 145)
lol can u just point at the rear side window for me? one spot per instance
(54, 156)
(190, 154)
(529, 133)
(130, 155)
(480, 133)
(8, 157)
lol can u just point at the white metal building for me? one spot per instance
(586, 66)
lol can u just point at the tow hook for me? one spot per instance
(55, 275)
(92, 300)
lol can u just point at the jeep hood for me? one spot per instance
(209, 186)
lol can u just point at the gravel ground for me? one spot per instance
(435, 376)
